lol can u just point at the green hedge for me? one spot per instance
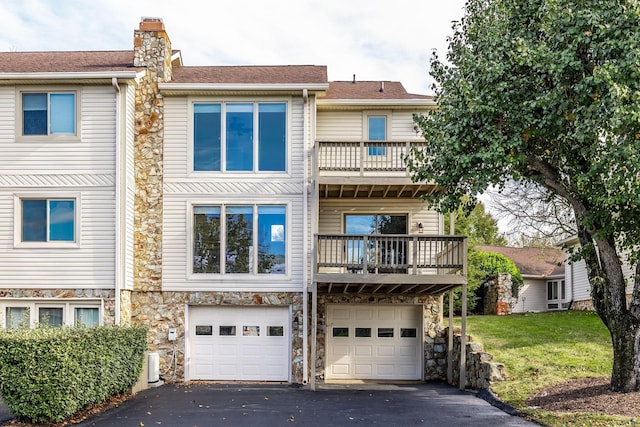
(49, 374)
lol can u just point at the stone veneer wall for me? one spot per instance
(498, 298)
(160, 311)
(434, 368)
(152, 49)
(480, 369)
(107, 295)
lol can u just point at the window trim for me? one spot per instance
(58, 138)
(234, 277)
(190, 172)
(34, 304)
(387, 114)
(17, 219)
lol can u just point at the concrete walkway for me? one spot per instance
(207, 404)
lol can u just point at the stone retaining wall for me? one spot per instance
(480, 368)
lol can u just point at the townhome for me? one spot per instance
(258, 219)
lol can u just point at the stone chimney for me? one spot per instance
(152, 48)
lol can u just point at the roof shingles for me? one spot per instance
(532, 261)
(370, 90)
(60, 62)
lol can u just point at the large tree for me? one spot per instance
(548, 91)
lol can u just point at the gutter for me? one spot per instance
(69, 75)
(118, 197)
(244, 86)
(305, 238)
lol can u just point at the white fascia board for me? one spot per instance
(242, 86)
(377, 102)
(569, 241)
(69, 75)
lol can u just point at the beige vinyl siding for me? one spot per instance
(332, 213)
(577, 280)
(176, 271)
(89, 266)
(129, 124)
(339, 125)
(183, 188)
(93, 154)
(176, 138)
(402, 126)
(532, 296)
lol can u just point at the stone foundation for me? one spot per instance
(432, 327)
(160, 311)
(582, 305)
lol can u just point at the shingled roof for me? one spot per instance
(60, 62)
(370, 90)
(275, 74)
(541, 262)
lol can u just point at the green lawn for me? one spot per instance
(542, 349)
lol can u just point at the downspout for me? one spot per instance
(305, 239)
(118, 195)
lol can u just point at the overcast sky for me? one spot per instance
(374, 39)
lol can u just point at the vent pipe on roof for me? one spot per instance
(354, 79)
(381, 87)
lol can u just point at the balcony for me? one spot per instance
(366, 169)
(389, 263)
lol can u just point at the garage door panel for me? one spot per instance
(363, 350)
(374, 342)
(365, 370)
(385, 351)
(245, 343)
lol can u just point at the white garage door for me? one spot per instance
(374, 342)
(239, 343)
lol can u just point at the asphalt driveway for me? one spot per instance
(208, 404)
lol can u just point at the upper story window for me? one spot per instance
(225, 239)
(240, 137)
(48, 113)
(43, 221)
(50, 220)
(376, 131)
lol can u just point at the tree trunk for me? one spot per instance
(608, 289)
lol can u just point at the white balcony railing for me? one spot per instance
(390, 254)
(363, 156)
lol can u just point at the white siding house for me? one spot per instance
(262, 214)
(63, 228)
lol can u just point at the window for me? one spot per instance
(204, 330)
(275, 331)
(377, 131)
(26, 314)
(385, 332)
(17, 317)
(50, 316)
(556, 290)
(86, 316)
(252, 137)
(48, 113)
(340, 332)
(224, 239)
(389, 254)
(48, 220)
(363, 332)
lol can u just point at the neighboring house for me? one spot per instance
(578, 281)
(260, 217)
(543, 272)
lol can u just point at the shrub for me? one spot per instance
(49, 374)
